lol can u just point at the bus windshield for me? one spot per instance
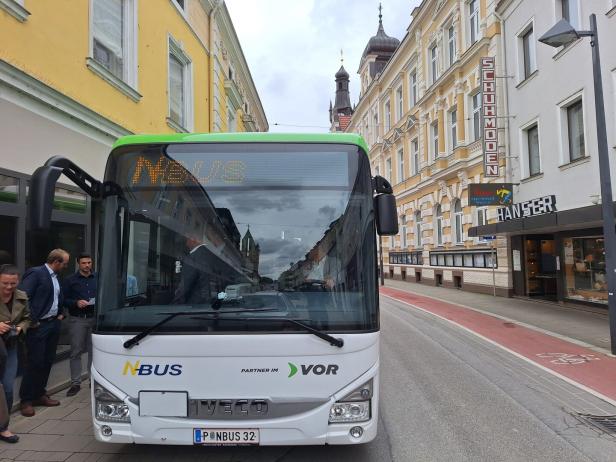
(286, 230)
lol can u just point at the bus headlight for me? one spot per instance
(354, 407)
(108, 407)
(357, 411)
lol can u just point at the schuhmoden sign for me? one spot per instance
(489, 118)
(531, 208)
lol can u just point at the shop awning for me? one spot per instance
(583, 217)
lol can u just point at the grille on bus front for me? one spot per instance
(237, 409)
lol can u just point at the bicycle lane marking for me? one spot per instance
(582, 367)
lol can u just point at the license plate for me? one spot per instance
(225, 436)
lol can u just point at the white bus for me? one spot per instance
(292, 361)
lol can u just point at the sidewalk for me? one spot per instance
(538, 333)
(588, 326)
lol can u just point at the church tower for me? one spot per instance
(340, 114)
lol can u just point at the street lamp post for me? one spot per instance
(562, 34)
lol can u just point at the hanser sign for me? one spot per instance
(539, 206)
(483, 194)
(490, 122)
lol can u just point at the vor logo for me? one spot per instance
(316, 369)
(151, 369)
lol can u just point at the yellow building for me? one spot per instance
(419, 110)
(76, 75)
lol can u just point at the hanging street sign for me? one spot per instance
(484, 194)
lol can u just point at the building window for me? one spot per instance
(231, 121)
(534, 160)
(377, 170)
(375, 127)
(415, 155)
(453, 128)
(451, 44)
(476, 106)
(528, 48)
(434, 63)
(434, 137)
(413, 88)
(418, 240)
(575, 131)
(406, 258)
(399, 103)
(113, 40)
(387, 117)
(477, 259)
(481, 217)
(180, 88)
(438, 225)
(180, 3)
(473, 12)
(457, 218)
(569, 10)
(400, 165)
(388, 169)
(403, 242)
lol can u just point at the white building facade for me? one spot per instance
(552, 148)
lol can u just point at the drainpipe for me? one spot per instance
(212, 13)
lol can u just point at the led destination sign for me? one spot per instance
(173, 172)
(238, 169)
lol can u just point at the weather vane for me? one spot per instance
(380, 11)
(341, 56)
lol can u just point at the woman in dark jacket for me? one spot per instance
(14, 321)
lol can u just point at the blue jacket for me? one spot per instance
(37, 283)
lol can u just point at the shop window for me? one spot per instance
(458, 259)
(584, 264)
(468, 260)
(8, 236)
(9, 189)
(68, 200)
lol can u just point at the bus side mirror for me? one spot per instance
(386, 216)
(43, 186)
(40, 197)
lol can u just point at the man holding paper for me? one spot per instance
(80, 297)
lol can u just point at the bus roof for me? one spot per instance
(244, 137)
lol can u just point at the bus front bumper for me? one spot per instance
(308, 428)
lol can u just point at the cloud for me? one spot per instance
(293, 51)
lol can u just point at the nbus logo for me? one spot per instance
(151, 369)
(316, 369)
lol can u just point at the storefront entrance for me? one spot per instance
(541, 272)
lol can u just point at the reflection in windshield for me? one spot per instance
(293, 232)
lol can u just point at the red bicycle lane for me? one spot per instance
(577, 364)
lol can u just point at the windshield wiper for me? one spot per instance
(337, 342)
(131, 342)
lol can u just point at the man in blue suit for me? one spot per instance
(45, 297)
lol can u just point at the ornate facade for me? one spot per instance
(420, 112)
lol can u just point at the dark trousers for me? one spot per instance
(41, 343)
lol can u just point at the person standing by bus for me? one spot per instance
(79, 297)
(14, 321)
(45, 297)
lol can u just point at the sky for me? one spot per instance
(292, 48)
